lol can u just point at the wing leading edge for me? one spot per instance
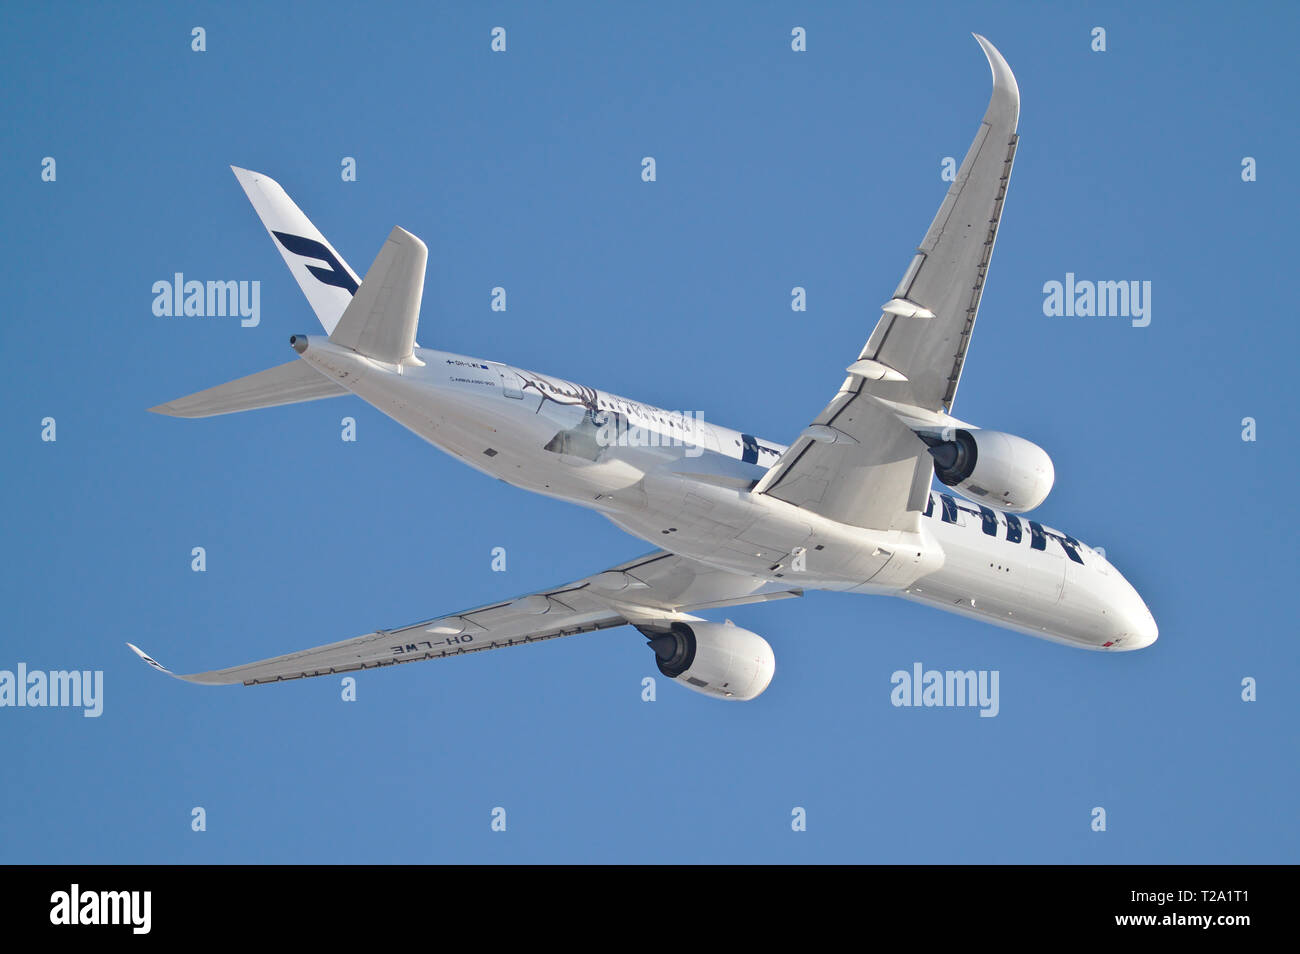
(860, 462)
(658, 586)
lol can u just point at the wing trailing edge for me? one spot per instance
(658, 586)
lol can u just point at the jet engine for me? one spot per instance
(991, 467)
(717, 659)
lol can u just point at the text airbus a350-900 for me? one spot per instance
(848, 506)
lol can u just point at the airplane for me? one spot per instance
(848, 506)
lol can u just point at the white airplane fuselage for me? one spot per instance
(683, 484)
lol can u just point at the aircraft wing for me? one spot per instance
(859, 462)
(657, 586)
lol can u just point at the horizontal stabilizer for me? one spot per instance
(380, 321)
(290, 383)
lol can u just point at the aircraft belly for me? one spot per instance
(735, 531)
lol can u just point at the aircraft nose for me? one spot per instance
(1143, 630)
(1137, 627)
(1131, 625)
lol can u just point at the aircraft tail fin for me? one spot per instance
(290, 383)
(327, 281)
(380, 321)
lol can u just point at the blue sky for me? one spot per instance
(522, 169)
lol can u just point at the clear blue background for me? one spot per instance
(522, 169)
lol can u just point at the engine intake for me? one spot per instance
(716, 659)
(999, 469)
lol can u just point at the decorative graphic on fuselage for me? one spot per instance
(561, 392)
(581, 437)
(591, 423)
(988, 517)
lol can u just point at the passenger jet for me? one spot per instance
(847, 506)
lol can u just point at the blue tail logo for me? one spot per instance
(335, 275)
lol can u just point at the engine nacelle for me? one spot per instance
(991, 467)
(717, 659)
